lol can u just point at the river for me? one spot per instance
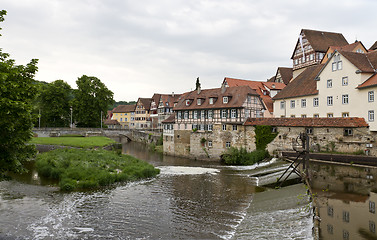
(188, 200)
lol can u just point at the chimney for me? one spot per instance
(172, 94)
(198, 85)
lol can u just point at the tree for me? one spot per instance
(17, 92)
(55, 104)
(91, 99)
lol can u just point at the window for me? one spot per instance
(209, 143)
(371, 115)
(125, 119)
(296, 61)
(372, 207)
(348, 132)
(195, 115)
(282, 104)
(311, 57)
(227, 144)
(345, 114)
(371, 96)
(210, 114)
(346, 235)
(293, 116)
(210, 127)
(194, 126)
(179, 114)
(329, 101)
(303, 103)
(199, 101)
(303, 59)
(248, 99)
(329, 83)
(330, 211)
(320, 55)
(223, 113)
(247, 113)
(340, 65)
(344, 81)
(293, 103)
(316, 115)
(315, 102)
(225, 99)
(121, 119)
(330, 115)
(233, 113)
(345, 99)
(187, 102)
(346, 216)
(201, 127)
(202, 114)
(224, 127)
(210, 100)
(234, 127)
(372, 226)
(330, 229)
(186, 115)
(303, 115)
(334, 66)
(309, 130)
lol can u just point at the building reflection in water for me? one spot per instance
(346, 199)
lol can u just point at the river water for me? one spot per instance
(188, 200)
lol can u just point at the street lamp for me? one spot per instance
(71, 118)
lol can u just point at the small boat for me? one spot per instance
(271, 175)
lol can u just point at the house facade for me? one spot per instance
(207, 122)
(343, 87)
(123, 114)
(142, 119)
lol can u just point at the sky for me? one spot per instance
(138, 48)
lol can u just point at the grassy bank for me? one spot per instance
(81, 142)
(90, 169)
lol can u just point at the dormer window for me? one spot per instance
(187, 102)
(199, 101)
(225, 99)
(210, 100)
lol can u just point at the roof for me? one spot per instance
(321, 40)
(370, 82)
(373, 47)
(170, 99)
(124, 108)
(257, 86)
(274, 85)
(170, 119)
(303, 85)
(349, 47)
(360, 60)
(352, 122)
(111, 122)
(237, 97)
(272, 79)
(286, 74)
(146, 102)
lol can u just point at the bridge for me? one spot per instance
(119, 135)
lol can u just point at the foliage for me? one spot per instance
(17, 92)
(82, 142)
(203, 140)
(91, 98)
(89, 169)
(160, 141)
(263, 136)
(56, 104)
(241, 156)
(116, 104)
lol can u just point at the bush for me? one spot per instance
(241, 156)
(89, 169)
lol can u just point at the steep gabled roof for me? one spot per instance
(170, 119)
(169, 99)
(146, 102)
(321, 40)
(303, 85)
(111, 122)
(258, 86)
(373, 47)
(286, 74)
(124, 108)
(237, 97)
(352, 122)
(370, 82)
(359, 60)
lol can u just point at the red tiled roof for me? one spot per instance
(272, 79)
(303, 85)
(321, 41)
(308, 122)
(370, 82)
(237, 96)
(274, 85)
(170, 119)
(360, 60)
(170, 99)
(146, 102)
(286, 74)
(124, 108)
(347, 48)
(258, 86)
(111, 122)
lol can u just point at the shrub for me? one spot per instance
(241, 156)
(263, 136)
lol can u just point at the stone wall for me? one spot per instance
(325, 139)
(181, 142)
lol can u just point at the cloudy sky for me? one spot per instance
(142, 47)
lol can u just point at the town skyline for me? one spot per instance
(138, 49)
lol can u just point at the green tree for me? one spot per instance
(91, 98)
(17, 92)
(55, 104)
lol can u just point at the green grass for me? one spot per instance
(79, 169)
(81, 142)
